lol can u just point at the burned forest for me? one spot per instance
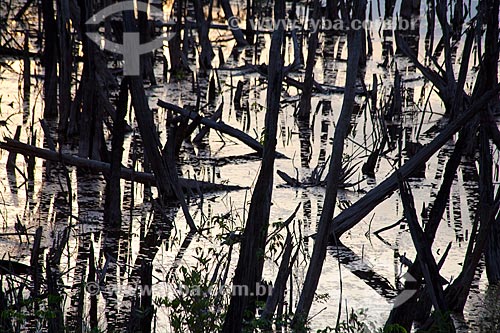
(249, 166)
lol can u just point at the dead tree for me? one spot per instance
(91, 143)
(49, 59)
(112, 205)
(233, 23)
(490, 66)
(404, 314)
(251, 260)
(334, 173)
(178, 62)
(207, 52)
(65, 63)
(349, 217)
(189, 185)
(457, 293)
(146, 34)
(428, 265)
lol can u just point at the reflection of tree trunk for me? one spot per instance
(431, 20)
(75, 315)
(251, 260)
(305, 142)
(49, 59)
(109, 253)
(249, 32)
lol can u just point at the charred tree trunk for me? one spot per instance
(251, 260)
(334, 173)
(428, 265)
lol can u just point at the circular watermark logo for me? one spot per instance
(131, 49)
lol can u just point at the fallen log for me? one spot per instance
(355, 213)
(13, 267)
(98, 166)
(219, 126)
(205, 129)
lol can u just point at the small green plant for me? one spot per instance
(394, 328)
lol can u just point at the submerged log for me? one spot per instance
(98, 166)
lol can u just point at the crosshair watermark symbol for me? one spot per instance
(131, 49)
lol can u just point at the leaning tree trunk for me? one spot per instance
(251, 260)
(490, 64)
(233, 23)
(333, 178)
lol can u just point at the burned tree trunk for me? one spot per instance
(404, 314)
(334, 173)
(251, 260)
